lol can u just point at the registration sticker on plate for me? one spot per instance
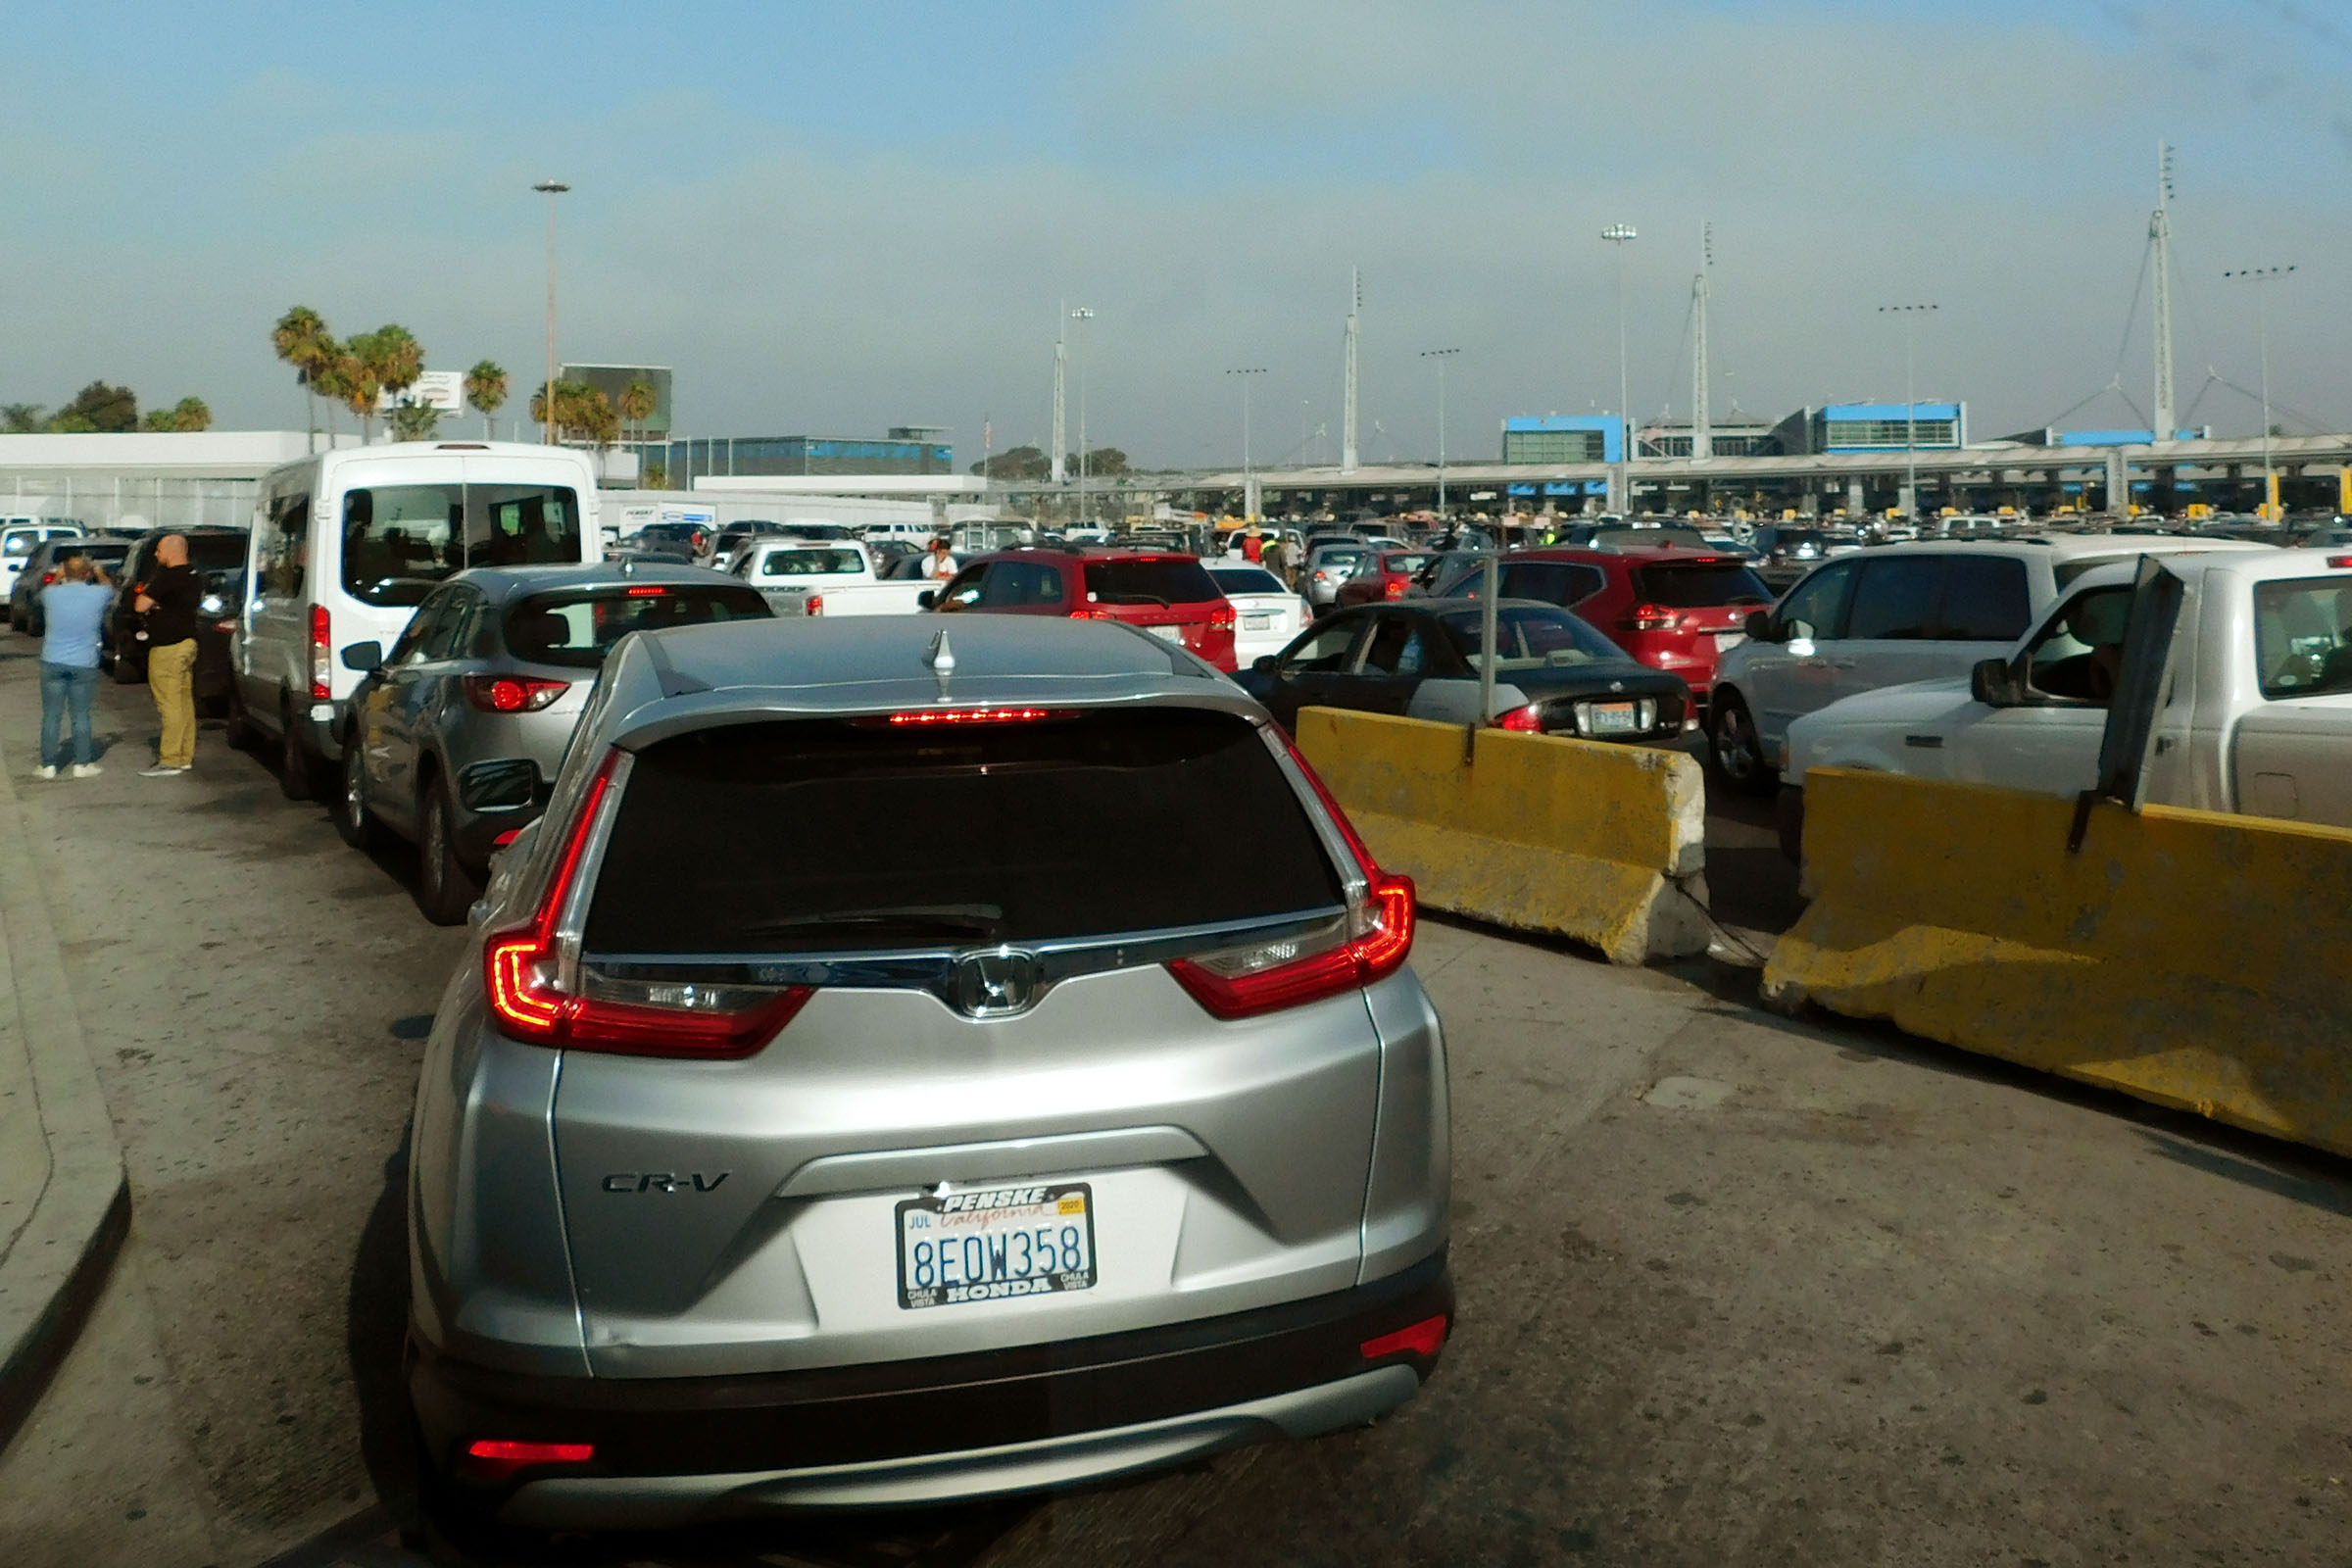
(992, 1243)
(1614, 718)
(1725, 641)
(1258, 623)
(1166, 634)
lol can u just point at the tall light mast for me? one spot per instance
(1062, 375)
(1703, 428)
(2160, 244)
(1355, 308)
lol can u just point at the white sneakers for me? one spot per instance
(47, 771)
(162, 773)
(88, 771)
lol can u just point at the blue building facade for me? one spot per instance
(1564, 438)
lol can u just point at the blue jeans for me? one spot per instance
(62, 684)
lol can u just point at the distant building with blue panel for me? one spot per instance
(1564, 438)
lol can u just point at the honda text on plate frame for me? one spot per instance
(1048, 1130)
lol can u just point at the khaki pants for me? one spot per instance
(170, 675)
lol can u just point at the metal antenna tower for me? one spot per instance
(2160, 244)
(1355, 308)
(1061, 375)
(1703, 427)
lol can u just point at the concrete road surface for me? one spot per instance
(1733, 1289)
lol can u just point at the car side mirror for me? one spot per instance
(929, 599)
(1759, 627)
(363, 656)
(1264, 664)
(1994, 684)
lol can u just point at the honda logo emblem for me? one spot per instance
(996, 984)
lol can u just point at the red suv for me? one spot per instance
(1391, 576)
(1673, 609)
(1168, 596)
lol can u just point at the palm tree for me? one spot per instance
(412, 420)
(396, 358)
(636, 407)
(302, 340)
(486, 390)
(359, 380)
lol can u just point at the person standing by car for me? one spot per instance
(168, 598)
(939, 565)
(72, 610)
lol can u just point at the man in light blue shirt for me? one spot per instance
(72, 610)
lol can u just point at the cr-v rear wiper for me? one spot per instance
(911, 919)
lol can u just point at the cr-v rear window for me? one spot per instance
(1175, 580)
(739, 839)
(580, 625)
(1700, 585)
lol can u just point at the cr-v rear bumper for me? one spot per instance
(673, 1451)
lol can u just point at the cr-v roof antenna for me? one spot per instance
(942, 658)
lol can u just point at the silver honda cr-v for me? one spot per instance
(881, 1078)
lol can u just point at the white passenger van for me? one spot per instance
(347, 543)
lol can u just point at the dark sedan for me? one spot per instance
(42, 570)
(1420, 660)
(218, 557)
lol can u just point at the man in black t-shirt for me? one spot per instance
(168, 598)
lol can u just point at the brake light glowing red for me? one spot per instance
(513, 694)
(519, 981)
(647, 591)
(1525, 720)
(1649, 618)
(323, 670)
(813, 605)
(1394, 588)
(925, 717)
(2338, 563)
(1221, 616)
(500, 1458)
(1423, 1339)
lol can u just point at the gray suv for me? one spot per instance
(770, 1156)
(454, 736)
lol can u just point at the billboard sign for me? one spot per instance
(614, 379)
(434, 389)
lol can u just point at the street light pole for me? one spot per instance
(1248, 499)
(1082, 316)
(1619, 235)
(1440, 355)
(2261, 278)
(550, 189)
(1910, 315)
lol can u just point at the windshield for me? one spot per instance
(2303, 636)
(1251, 580)
(1529, 637)
(579, 626)
(1700, 585)
(400, 540)
(1170, 580)
(737, 839)
(811, 563)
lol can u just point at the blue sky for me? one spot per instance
(833, 218)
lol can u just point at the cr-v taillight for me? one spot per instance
(519, 979)
(1368, 943)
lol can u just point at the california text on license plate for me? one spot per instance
(1609, 719)
(990, 1244)
(1170, 634)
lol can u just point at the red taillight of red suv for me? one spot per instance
(1221, 619)
(1394, 588)
(1649, 618)
(1370, 943)
(519, 981)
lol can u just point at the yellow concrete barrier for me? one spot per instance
(1601, 843)
(2192, 959)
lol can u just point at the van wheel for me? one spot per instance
(444, 889)
(1734, 750)
(297, 767)
(353, 821)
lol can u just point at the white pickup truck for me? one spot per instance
(2254, 716)
(823, 578)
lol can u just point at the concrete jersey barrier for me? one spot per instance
(1601, 843)
(2192, 959)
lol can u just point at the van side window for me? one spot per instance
(283, 552)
